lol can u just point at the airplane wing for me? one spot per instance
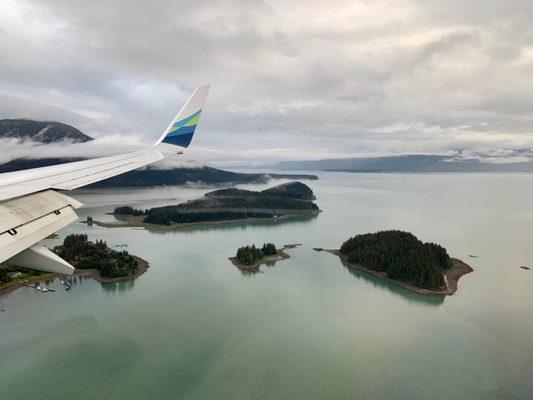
(31, 208)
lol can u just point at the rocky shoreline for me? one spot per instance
(451, 277)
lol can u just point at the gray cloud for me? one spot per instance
(291, 80)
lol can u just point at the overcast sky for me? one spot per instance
(290, 80)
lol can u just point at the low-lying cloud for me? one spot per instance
(290, 80)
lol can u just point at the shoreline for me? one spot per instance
(280, 255)
(142, 267)
(451, 277)
(136, 222)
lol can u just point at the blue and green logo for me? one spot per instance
(182, 131)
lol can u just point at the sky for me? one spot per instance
(290, 80)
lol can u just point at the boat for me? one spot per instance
(2, 308)
(44, 289)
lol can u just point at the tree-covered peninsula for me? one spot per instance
(404, 259)
(82, 253)
(290, 199)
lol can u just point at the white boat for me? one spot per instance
(44, 289)
(38, 287)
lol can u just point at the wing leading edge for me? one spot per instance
(30, 209)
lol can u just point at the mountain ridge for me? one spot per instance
(41, 131)
(405, 163)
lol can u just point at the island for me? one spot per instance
(107, 265)
(249, 258)
(401, 258)
(289, 200)
(93, 259)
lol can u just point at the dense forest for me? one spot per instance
(401, 256)
(248, 255)
(4, 273)
(231, 204)
(128, 210)
(79, 251)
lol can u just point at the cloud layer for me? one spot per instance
(290, 80)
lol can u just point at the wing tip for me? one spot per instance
(181, 130)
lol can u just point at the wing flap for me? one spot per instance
(14, 241)
(17, 212)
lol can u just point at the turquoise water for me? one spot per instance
(195, 327)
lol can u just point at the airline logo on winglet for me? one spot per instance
(181, 130)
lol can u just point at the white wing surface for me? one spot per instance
(31, 208)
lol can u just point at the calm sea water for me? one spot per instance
(195, 327)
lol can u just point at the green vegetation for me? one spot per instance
(232, 204)
(293, 190)
(181, 176)
(401, 256)
(171, 214)
(269, 249)
(79, 251)
(4, 274)
(249, 255)
(128, 210)
(7, 272)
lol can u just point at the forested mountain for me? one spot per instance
(54, 132)
(179, 176)
(41, 131)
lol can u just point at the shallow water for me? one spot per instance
(195, 327)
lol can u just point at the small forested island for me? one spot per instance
(94, 259)
(111, 265)
(249, 258)
(225, 205)
(402, 258)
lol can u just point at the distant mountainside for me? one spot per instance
(159, 177)
(182, 176)
(19, 164)
(407, 163)
(42, 132)
(52, 132)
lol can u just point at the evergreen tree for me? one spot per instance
(401, 256)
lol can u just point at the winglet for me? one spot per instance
(181, 129)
